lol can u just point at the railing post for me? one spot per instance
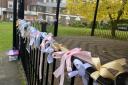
(43, 26)
(94, 19)
(21, 9)
(56, 20)
(14, 23)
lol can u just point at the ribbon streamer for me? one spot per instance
(40, 67)
(81, 70)
(102, 70)
(66, 57)
(81, 67)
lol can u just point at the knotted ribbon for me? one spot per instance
(102, 70)
(33, 33)
(46, 42)
(81, 70)
(46, 47)
(66, 57)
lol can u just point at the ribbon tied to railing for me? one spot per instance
(49, 46)
(80, 70)
(103, 70)
(66, 58)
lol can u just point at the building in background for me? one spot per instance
(33, 8)
(6, 10)
(48, 6)
(45, 8)
(3, 6)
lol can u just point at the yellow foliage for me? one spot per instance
(86, 8)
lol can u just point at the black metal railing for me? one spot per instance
(31, 58)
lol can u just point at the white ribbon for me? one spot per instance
(22, 25)
(49, 50)
(40, 67)
(46, 43)
(81, 70)
(32, 36)
(38, 37)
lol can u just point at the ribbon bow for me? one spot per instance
(22, 24)
(66, 57)
(102, 70)
(46, 42)
(33, 33)
(81, 70)
(46, 46)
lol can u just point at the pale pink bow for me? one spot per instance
(66, 57)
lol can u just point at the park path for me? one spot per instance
(9, 71)
(106, 49)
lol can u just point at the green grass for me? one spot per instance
(6, 33)
(78, 31)
(69, 31)
(5, 36)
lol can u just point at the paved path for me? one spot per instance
(106, 49)
(9, 71)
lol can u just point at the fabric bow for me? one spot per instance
(46, 47)
(66, 57)
(102, 70)
(33, 32)
(46, 42)
(81, 70)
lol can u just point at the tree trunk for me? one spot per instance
(113, 26)
(114, 22)
(113, 29)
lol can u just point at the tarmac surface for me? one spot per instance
(106, 49)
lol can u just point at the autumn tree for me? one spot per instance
(112, 10)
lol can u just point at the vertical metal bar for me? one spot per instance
(36, 66)
(14, 23)
(47, 73)
(72, 80)
(33, 62)
(90, 82)
(73, 68)
(30, 65)
(53, 69)
(57, 16)
(38, 80)
(89, 71)
(42, 80)
(94, 19)
(21, 9)
(32, 58)
(43, 26)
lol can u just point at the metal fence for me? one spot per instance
(31, 59)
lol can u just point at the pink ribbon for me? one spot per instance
(66, 57)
